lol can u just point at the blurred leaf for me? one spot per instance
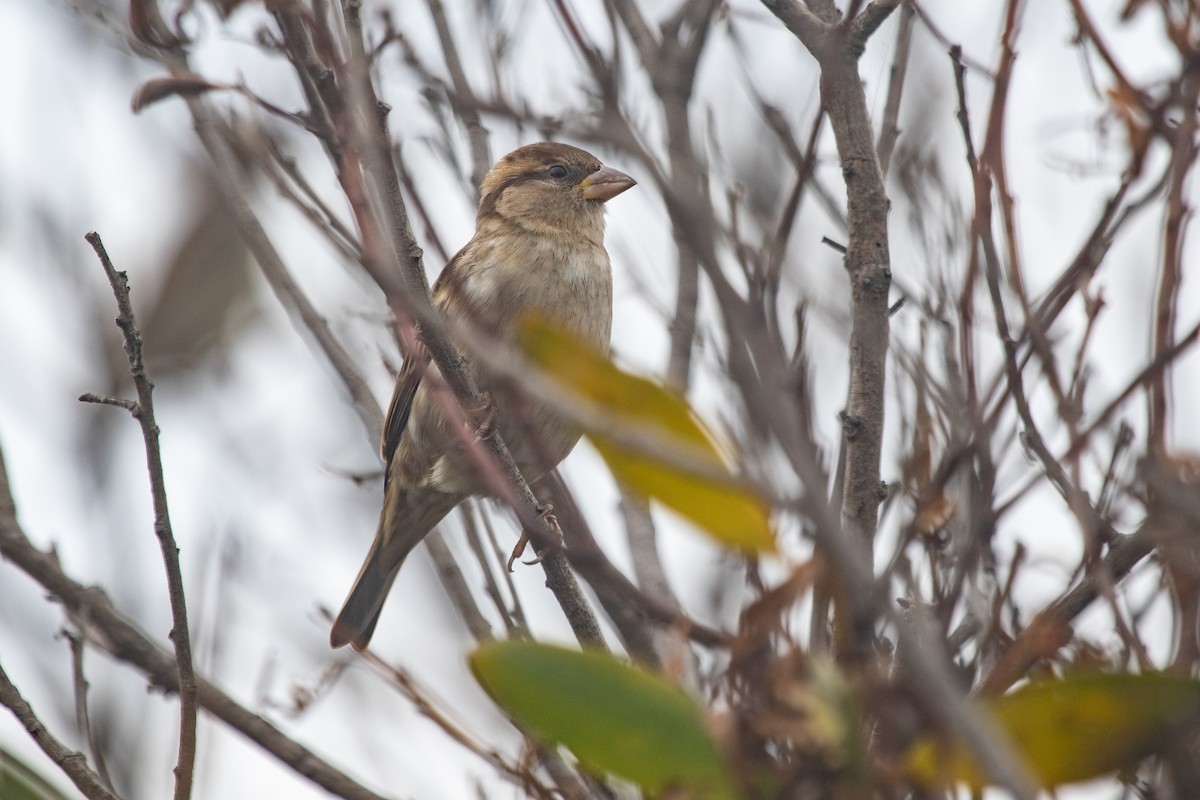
(615, 718)
(192, 311)
(733, 514)
(19, 782)
(157, 89)
(1071, 730)
(207, 298)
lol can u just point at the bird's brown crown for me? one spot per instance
(539, 186)
(533, 163)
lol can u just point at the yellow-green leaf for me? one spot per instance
(614, 717)
(1071, 730)
(729, 511)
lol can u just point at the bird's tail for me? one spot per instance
(356, 621)
(408, 516)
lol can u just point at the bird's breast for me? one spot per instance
(570, 286)
(502, 279)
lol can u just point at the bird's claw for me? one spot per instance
(546, 513)
(517, 550)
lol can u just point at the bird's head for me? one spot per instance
(549, 187)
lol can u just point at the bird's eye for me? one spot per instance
(558, 172)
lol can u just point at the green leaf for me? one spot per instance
(1071, 730)
(614, 717)
(19, 782)
(730, 512)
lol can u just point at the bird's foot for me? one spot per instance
(487, 420)
(546, 513)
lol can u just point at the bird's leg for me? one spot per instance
(487, 421)
(518, 550)
(546, 513)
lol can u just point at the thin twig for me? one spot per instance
(624, 610)
(477, 134)
(624, 600)
(113, 633)
(1049, 631)
(1084, 437)
(889, 129)
(144, 413)
(451, 576)
(1166, 305)
(311, 204)
(422, 699)
(488, 556)
(82, 717)
(105, 400)
(976, 66)
(671, 66)
(805, 164)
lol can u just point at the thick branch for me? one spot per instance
(837, 49)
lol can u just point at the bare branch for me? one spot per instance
(477, 134)
(144, 413)
(1050, 629)
(113, 633)
(73, 764)
(421, 698)
(82, 716)
(215, 136)
(889, 130)
(866, 23)
(456, 586)
(103, 400)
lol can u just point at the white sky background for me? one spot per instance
(256, 450)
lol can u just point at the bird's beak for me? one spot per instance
(605, 184)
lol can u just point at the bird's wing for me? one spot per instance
(415, 364)
(409, 379)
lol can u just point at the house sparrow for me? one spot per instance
(538, 247)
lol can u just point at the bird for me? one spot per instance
(538, 248)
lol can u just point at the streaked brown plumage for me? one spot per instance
(538, 247)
